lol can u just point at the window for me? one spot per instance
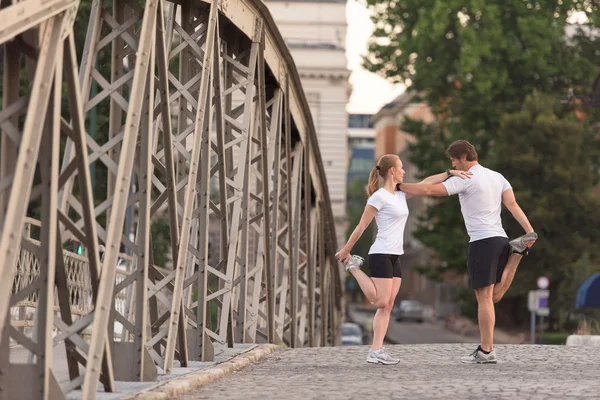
(359, 121)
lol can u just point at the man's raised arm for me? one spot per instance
(508, 199)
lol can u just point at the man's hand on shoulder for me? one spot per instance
(459, 173)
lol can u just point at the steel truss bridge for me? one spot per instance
(204, 124)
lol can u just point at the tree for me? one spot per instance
(161, 241)
(473, 62)
(547, 161)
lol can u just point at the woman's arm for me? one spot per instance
(439, 178)
(365, 220)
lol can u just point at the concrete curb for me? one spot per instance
(182, 384)
(583, 340)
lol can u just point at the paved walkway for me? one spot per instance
(425, 372)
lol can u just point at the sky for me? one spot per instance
(370, 91)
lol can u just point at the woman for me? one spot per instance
(390, 210)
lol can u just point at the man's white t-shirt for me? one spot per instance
(392, 213)
(480, 201)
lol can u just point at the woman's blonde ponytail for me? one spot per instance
(380, 171)
(373, 184)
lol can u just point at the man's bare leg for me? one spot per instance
(508, 275)
(486, 316)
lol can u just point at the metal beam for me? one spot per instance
(238, 176)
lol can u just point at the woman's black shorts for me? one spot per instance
(385, 266)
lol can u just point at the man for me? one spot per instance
(492, 261)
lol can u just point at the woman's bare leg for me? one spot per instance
(381, 321)
(366, 284)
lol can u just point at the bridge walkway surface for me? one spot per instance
(432, 371)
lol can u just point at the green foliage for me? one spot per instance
(357, 199)
(161, 241)
(552, 174)
(485, 56)
(475, 63)
(553, 338)
(589, 326)
(465, 304)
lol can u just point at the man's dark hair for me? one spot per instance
(462, 148)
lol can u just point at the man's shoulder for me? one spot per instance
(457, 183)
(492, 172)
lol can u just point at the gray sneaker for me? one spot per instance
(479, 357)
(381, 357)
(354, 262)
(518, 244)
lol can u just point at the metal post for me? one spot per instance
(92, 129)
(307, 238)
(25, 168)
(204, 104)
(533, 320)
(229, 78)
(269, 268)
(322, 274)
(122, 183)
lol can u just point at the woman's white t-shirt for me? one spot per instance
(392, 213)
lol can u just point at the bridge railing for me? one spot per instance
(202, 122)
(79, 285)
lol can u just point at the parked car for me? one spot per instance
(409, 310)
(352, 334)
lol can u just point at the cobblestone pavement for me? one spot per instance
(431, 371)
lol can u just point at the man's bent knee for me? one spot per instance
(484, 293)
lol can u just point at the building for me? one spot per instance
(361, 147)
(315, 32)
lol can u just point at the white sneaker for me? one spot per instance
(354, 262)
(479, 357)
(381, 357)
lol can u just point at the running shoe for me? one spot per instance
(479, 357)
(518, 245)
(381, 356)
(354, 262)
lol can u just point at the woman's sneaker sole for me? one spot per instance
(354, 262)
(480, 362)
(375, 361)
(381, 357)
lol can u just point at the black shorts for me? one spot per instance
(486, 261)
(385, 266)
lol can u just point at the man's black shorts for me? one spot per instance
(385, 266)
(486, 261)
